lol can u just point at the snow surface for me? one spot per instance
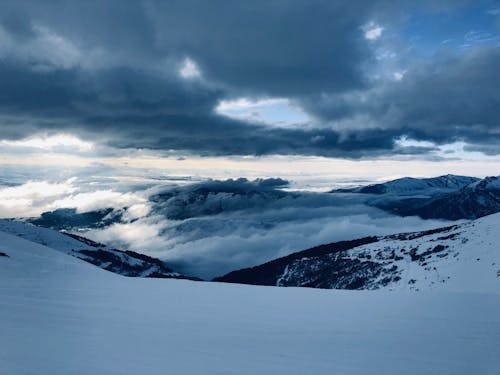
(488, 183)
(125, 263)
(60, 315)
(464, 258)
(457, 258)
(422, 186)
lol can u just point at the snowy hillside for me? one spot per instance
(447, 197)
(464, 257)
(475, 200)
(127, 263)
(59, 316)
(412, 186)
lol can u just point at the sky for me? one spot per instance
(103, 104)
(245, 88)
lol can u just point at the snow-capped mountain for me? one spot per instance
(126, 263)
(414, 186)
(446, 197)
(475, 200)
(460, 257)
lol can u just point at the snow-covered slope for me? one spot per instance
(127, 263)
(413, 186)
(475, 200)
(447, 197)
(463, 257)
(59, 316)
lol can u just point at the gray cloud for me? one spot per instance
(452, 98)
(116, 78)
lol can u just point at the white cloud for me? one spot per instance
(478, 37)
(213, 245)
(35, 197)
(372, 31)
(95, 200)
(246, 103)
(208, 234)
(398, 76)
(189, 69)
(53, 143)
(31, 198)
(408, 142)
(136, 211)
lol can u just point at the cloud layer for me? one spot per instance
(207, 228)
(150, 74)
(210, 228)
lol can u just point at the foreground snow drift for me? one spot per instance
(59, 315)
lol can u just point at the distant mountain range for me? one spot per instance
(459, 257)
(126, 263)
(413, 186)
(446, 197)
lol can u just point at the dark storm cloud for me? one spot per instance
(453, 98)
(109, 71)
(278, 48)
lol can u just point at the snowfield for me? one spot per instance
(60, 315)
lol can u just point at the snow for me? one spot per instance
(488, 183)
(42, 236)
(469, 261)
(60, 315)
(427, 186)
(124, 263)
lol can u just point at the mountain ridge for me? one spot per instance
(125, 263)
(452, 257)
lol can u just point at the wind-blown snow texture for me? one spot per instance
(458, 258)
(127, 263)
(59, 316)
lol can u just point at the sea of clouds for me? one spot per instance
(212, 227)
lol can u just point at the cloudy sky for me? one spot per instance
(251, 87)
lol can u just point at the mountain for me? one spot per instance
(415, 186)
(69, 218)
(60, 315)
(459, 257)
(475, 200)
(446, 197)
(126, 263)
